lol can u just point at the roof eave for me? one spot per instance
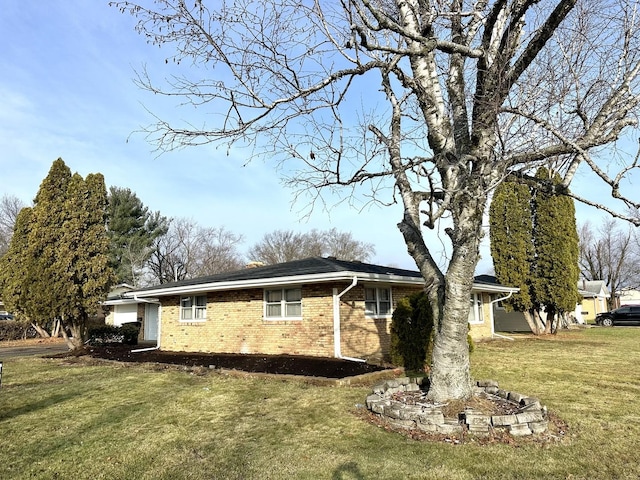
(483, 287)
(119, 301)
(277, 281)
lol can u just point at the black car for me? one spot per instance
(6, 316)
(626, 315)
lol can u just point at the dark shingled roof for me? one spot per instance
(308, 266)
(486, 280)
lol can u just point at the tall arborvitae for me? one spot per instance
(534, 245)
(49, 217)
(510, 235)
(555, 239)
(16, 270)
(62, 246)
(83, 259)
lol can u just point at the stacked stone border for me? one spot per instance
(529, 416)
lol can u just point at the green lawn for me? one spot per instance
(76, 421)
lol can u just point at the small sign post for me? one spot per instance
(0, 374)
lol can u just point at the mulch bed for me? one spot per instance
(276, 364)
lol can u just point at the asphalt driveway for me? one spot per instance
(33, 350)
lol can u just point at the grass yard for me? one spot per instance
(74, 420)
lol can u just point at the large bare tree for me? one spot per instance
(189, 250)
(610, 252)
(286, 245)
(438, 100)
(10, 207)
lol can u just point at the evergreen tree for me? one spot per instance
(16, 271)
(555, 239)
(59, 253)
(534, 245)
(84, 276)
(49, 217)
(511, 231)
(132, 230)
(411, 328)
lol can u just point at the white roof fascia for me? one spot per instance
(279, 281)
(483, 287)
(119, 301)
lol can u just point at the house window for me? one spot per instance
(475, 310)
(377, 301)
(283, 303)
(193, 309)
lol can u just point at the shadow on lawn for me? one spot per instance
(40, 404)
(348, 471)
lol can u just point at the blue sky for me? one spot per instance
(67, 91)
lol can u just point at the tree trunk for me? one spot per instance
(78, 333)
(450, 373)
(67, 339)
(450, 377)
(534, 321)
(55, 333)
(551, 315)
(41, 331)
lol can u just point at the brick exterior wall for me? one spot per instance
(140, 316)
(108, 319)
(235, 323)
(480, 331)
(363, 336)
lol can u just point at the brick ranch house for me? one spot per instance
(317, 306)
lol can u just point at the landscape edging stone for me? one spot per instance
(529, 417)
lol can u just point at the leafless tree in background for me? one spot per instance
(285, 245)
(611, 253)
(432, 102)
(189, 250)
(10, 206)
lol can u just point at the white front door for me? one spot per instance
(151, 321)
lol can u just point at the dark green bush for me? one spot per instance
(411, 332)
(105, 334)
(130, 333)
(14, 330)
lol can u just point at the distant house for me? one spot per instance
(503, 320)
(124, 307)
(594, 300)
(317, 306)
(628, 296)
(595, 296)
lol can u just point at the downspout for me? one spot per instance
(157, 347)
(493, 331)
(336, 322)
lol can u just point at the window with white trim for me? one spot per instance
(475, 310)
(377, 301)
(283, 303)
(193, 308)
